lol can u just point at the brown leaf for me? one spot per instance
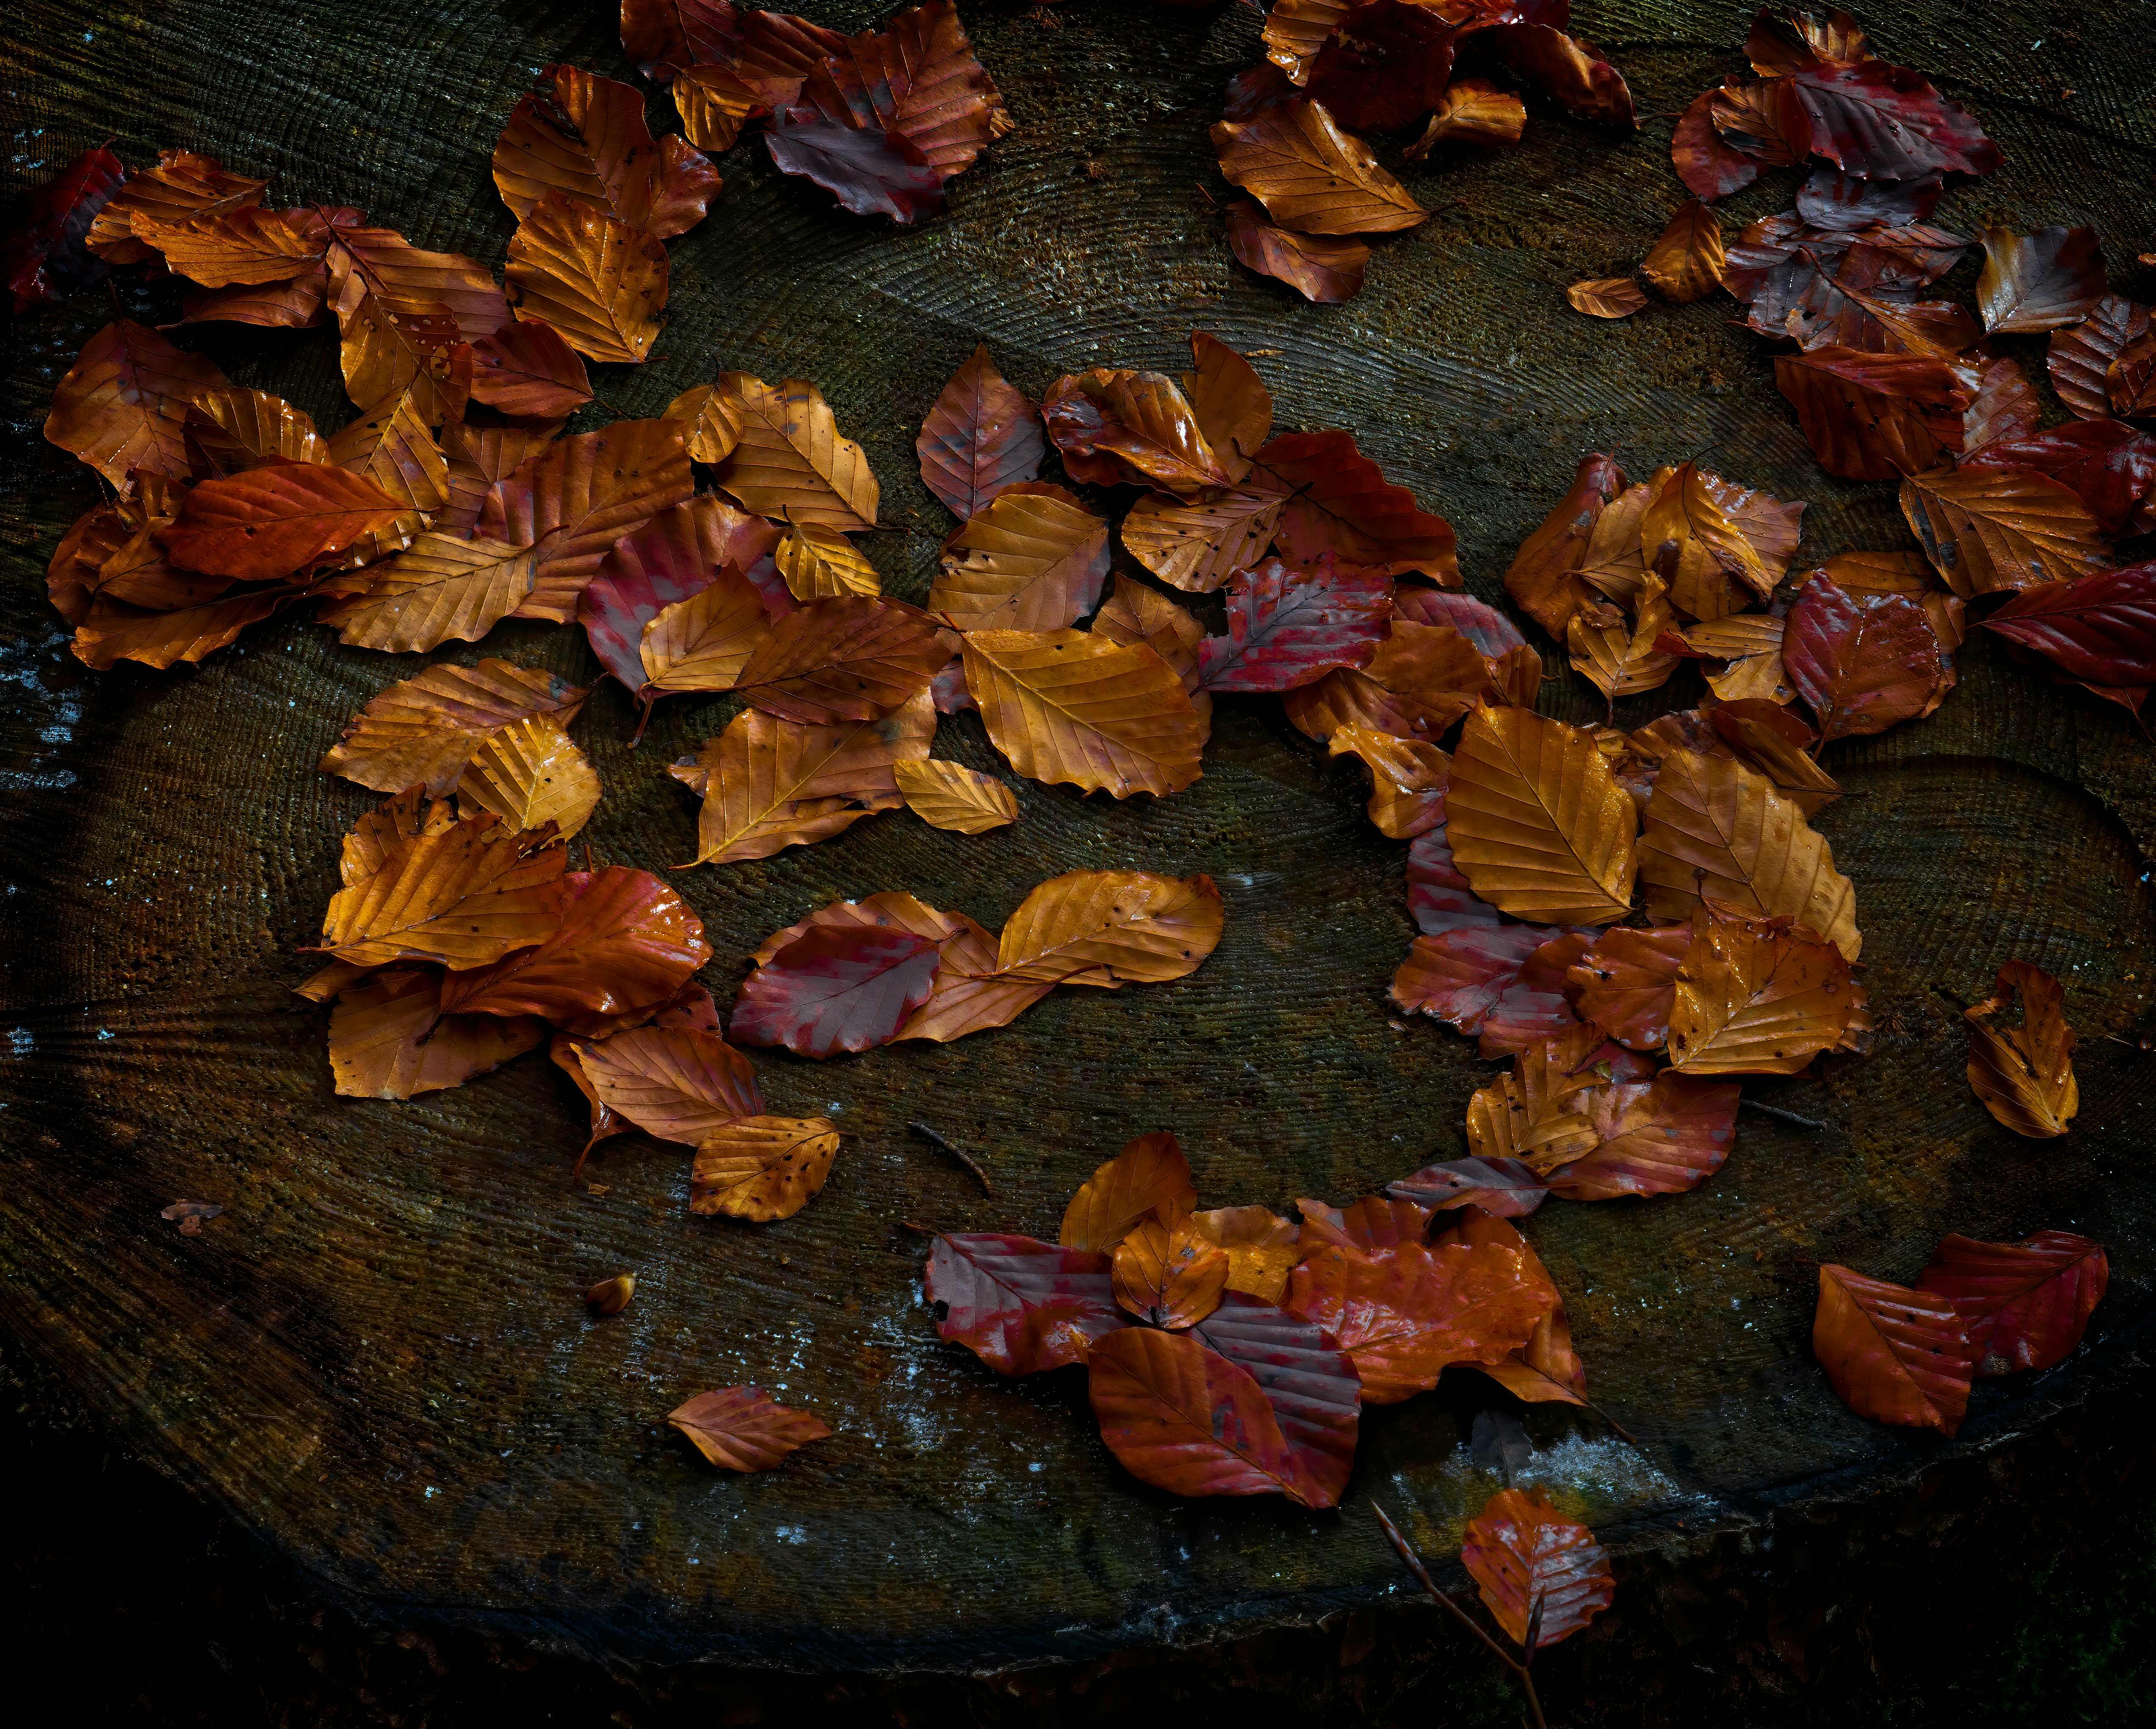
(1118, 926)
(918, 80)
(851, 658)
(1691, 538)
(123, 404)
(389, 1038)
(1148, 1175)
(675, 1083)
(465, 897)
(1626, 983)
(738, 1429)
(1296, 29)
(390, 445)
(1472, 110)
(701, 642)
(2039, 281)
(275, 521)
(1199, 543)
(1171, 1279)
(1028, 560)
(1065, 705)
(530, 773)
(1538, 822)
(181, 186)
(768, 784)
(526, 368)
(1310, 175)
(1718, 829)
(1989, 530)
(1607, 297)
(1408, 779)
(423, 731)
(243, 247)
(1893, 1354)
(1135, 614)
(947, 795)
(1318, 267)
(1113, 425)
(1756, 997)
(1341, 503)
(1540, 580)
(1259, 1244)
(786, 460)
(1874, 417)
(1622, 660)
(443, 589)
(1543, 1576)
(1687, 264)
(981, 435)
(1862, 665)
(2024, 1074)
(600, 282)
(582, 138)
(712, 103)
(234, 429)
(762, 1167)
(2080, 358)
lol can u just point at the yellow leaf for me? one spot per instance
(789, 462)
(1606, 297)
(1064, 705)
(529, 773)
(818, 561)
(424, 730)
(761, 1168)
(444, 588)
(1127, 925)
(1538, 824)
(599, 282)
(949, 795)
(1027, 561)
(702, 642)
(1756, 997)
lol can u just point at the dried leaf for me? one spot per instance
(918, 78)
(739, 1428)
(1310, 175)
(2100, 629)
(443, 589)
(1863, 665)
(1115, 425)
(389, 1038)
(624, 941)
(947, 795)
(582, 138)
(1135, 614)
(1756, 997)
(1607, 297)
(1407, 780)
(423, 731)
(1020, 1304)
(1261, 1246)
(2024, 1074)
(1715, 828)
(1308, 1381)
(703, 642)
(981, 435)
(1538, 822)
(123, 404)
(1183, 1417)
(528, 368)
(1385, 67)
(1710, 168)
(676, 1083)
(2108, 465)
(1985, 530)
(530, 773)
(1199, 543)
(761, 1168)
(1132, 926)
(676, 554)
(1028, 560)
(1622, 658)
(2080, 358)
(870, 171)
(787, 461)
(2023, 1306)
(1894, 1355)
(1150, 1174)
(836, 988)
(1626, 983)
(1541, 1576)
(271, 521)
(246, 247)
(1563, 68)
(183, 185)
(1687, 264)
(1508, 1188)
(1064, 705)
(1540, 580)
(1296, 29)
(599, 282)
(1472, 110)
(1318, 267)
(851, 658)
(1171, 1279)
(712, 103)
(1874, 417)
(1458, 975)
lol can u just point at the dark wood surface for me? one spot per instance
(376, 1360)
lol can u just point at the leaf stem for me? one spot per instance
(1781, 1114)
(1466, 1620)
(958, 1153)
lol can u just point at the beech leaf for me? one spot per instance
(1318, 267)
(2025, 1305)
(1310, 175)
(787, 461)
(599, 282)
(423, 731)
(1168, 1278)
(443, 589)
(1756, 997)
(1863, 664)
(947, 795)
(123, 404)
(834, 989)
(1894, 1355)
(2024, 1074)
(1985, 530)
(530, 773)
(622, 941)
(1541, 1575)
(1607, 297)
(1020, 1304)
(760, 1168)
(676, 1083)
(465, 897)
(389, 1038)
(872, 172)
(1536, 823)
(1028, 559)
(1068, 706)
(1150, 1175)
(1133, 925)
(1287, 627)
(739, 1428)
(981, 435)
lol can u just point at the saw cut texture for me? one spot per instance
(1538, 822)
(1068, 706)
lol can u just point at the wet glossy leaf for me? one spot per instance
(1310, 175)
(1607, 297)
(981, 435)
(1128, 925)
(599, 282)
(272, 520)
(1168, 1278)
(1626, 983)
(44, 255)
(1625, 658)
(1756, 997)
(443, 589)
(423, 730)
(2025, 1305)
(2024, 1074)
(465, 897)
(2110, 466)
(1068, 706)
(1536, 823)
(2100, 629)
(1385, 67)
(1199, 543)
(870, 171)
(1563, 68)
(2039, 281)
(1767, 122)
(739, 1428)
(1028, 560)
(389, 1038)
(1709, 168)
(245, 247)
(1020, 1304)
(1309, 1383)
(1149, 1175)
(787, 461)
(123, 405)
(1296, 29)
(1653, 1137)
(1686, 263)
(947, 795)
(1504, 1187)
(1461, 974)
(1318, 267)
(761, 1168)
(1540, 580)
(1874, 417)
(1716, 545)
(1472, 110)
(584, 138)
(1114, 425)
(2080, 358)
(675, 555)
(1135, 614)
(919, 79)
(1407, 780)
(676, 1083)
(1183, 1417)
(1863, 664)
(1986, 530)
(1537, 1114)
(1894, 1355)
(834, 989)
(528, 368)
(1261, 1246)
(1885, 122)
(530, 773)
(624, 940)
(1540, 1573)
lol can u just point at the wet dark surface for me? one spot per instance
(376, 1360)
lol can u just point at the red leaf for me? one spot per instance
(1709, 168)
(1532, 1007)
(526, 368)
(1383, 67)
(272, 520)
(663, 37)
(1256, 89)
(2110, 466)
(1309, 1381)
(1370, 1226)
(2100, 629)
(836, 987)
(872, 172)
(1626, 983)
(1862, 662)
(41, 255)
(1323, 268)
(1287, 627)
(1894, 1355)
(626, 940)
(738, 1429)
(2079, 357)
(1874, 417)
(2024, 1305)
(1527, 1558)
(1182, 1417)
(1460, 975)
(1019, 1304)
(1885, 122)
(1341, 503)
(918, 80)
(675, 555)
(1847, 204)
(981, 435)
(1505, 1186)
(1440, 897)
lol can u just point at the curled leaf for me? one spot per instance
(1310, 175)
(1148, 1175)
(1687, 264)
(530, 773)
(1607, 297)
(2024, 1074)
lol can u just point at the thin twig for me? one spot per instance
(1624, 1433)
(958, 1153)
(1779, 1115)
(907, 1224)
(1466, 1620)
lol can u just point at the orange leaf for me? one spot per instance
(1113, 425)
(526, 368)
(1540, 580)
(1234, 409)
(1318, 267)
(2024, 1074)
(738, 1429)
(1607, 297)
(981, 435)
(1686, 263)
(1296, 29)
(768, 784)
(1185, 1418)
(1407, 780)
(624, 940)
(1874, 417)
(1987, 530)
(584, 136)
(851, 658)
(1199, 543)
(1311, 177)
(389, 1038)
(599, 282)
(819, 563)
(1622, 660)
(1132, 926)
(444, 589)
(181, 186)
(465, 897)
(1894, 1355)
(2080, 358)
(1473, 110)
(786, 460)
(762, 1167)
(1065, 705)
(676, 1083)
(270, 521)
(530, 773)
(1029, 560)
(1756, 997)
(1538, 822)
(246, 246)
(390, 445)
(123, 404)
(1259, 1244)
(1135, 614)
(234, 429)
(1536, 1569)
(950, 796)
(1171, 1279)
(1148, 1175)
(1862, 665)
(1712, 542)
(702, 642)
(1626, 983)
(423, 731)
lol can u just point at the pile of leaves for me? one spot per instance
(1889, 386)
(1292, 133)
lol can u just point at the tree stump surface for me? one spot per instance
(376, 1362)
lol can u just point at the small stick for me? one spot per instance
(958, 1153)
(1781, 1114)
(1466, 1620)
(1624, 1433)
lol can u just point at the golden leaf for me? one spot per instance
(444, 588)
(1064, 705)
(1687, 263)
(1135, 614)
(712, 104)
(390, 445)
(1127, 925)
(389, 1038)
(948, 795)
(1473, 110)
(674, 1082)
(110, 631)
(1989, 530)
(465, 897)
(1718, 829)
(1027, 561)
(1150, 1176)
(1606, 297)
(1171, 1279)
(123, 404)
(1756, 996)
(529, 773)
(235, 429)
(2024, 1074)
(1199, 543)
(1234, 409)
(1538, 824)
(1311, 177)
(762, 1167)
(1621, 660)
(818, 563)
(787, 461)
(702, 642)
(1699, 548)
(1261, 1246)
(424, 730)
(597, 280)
(714, 417)
(1408, 779)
